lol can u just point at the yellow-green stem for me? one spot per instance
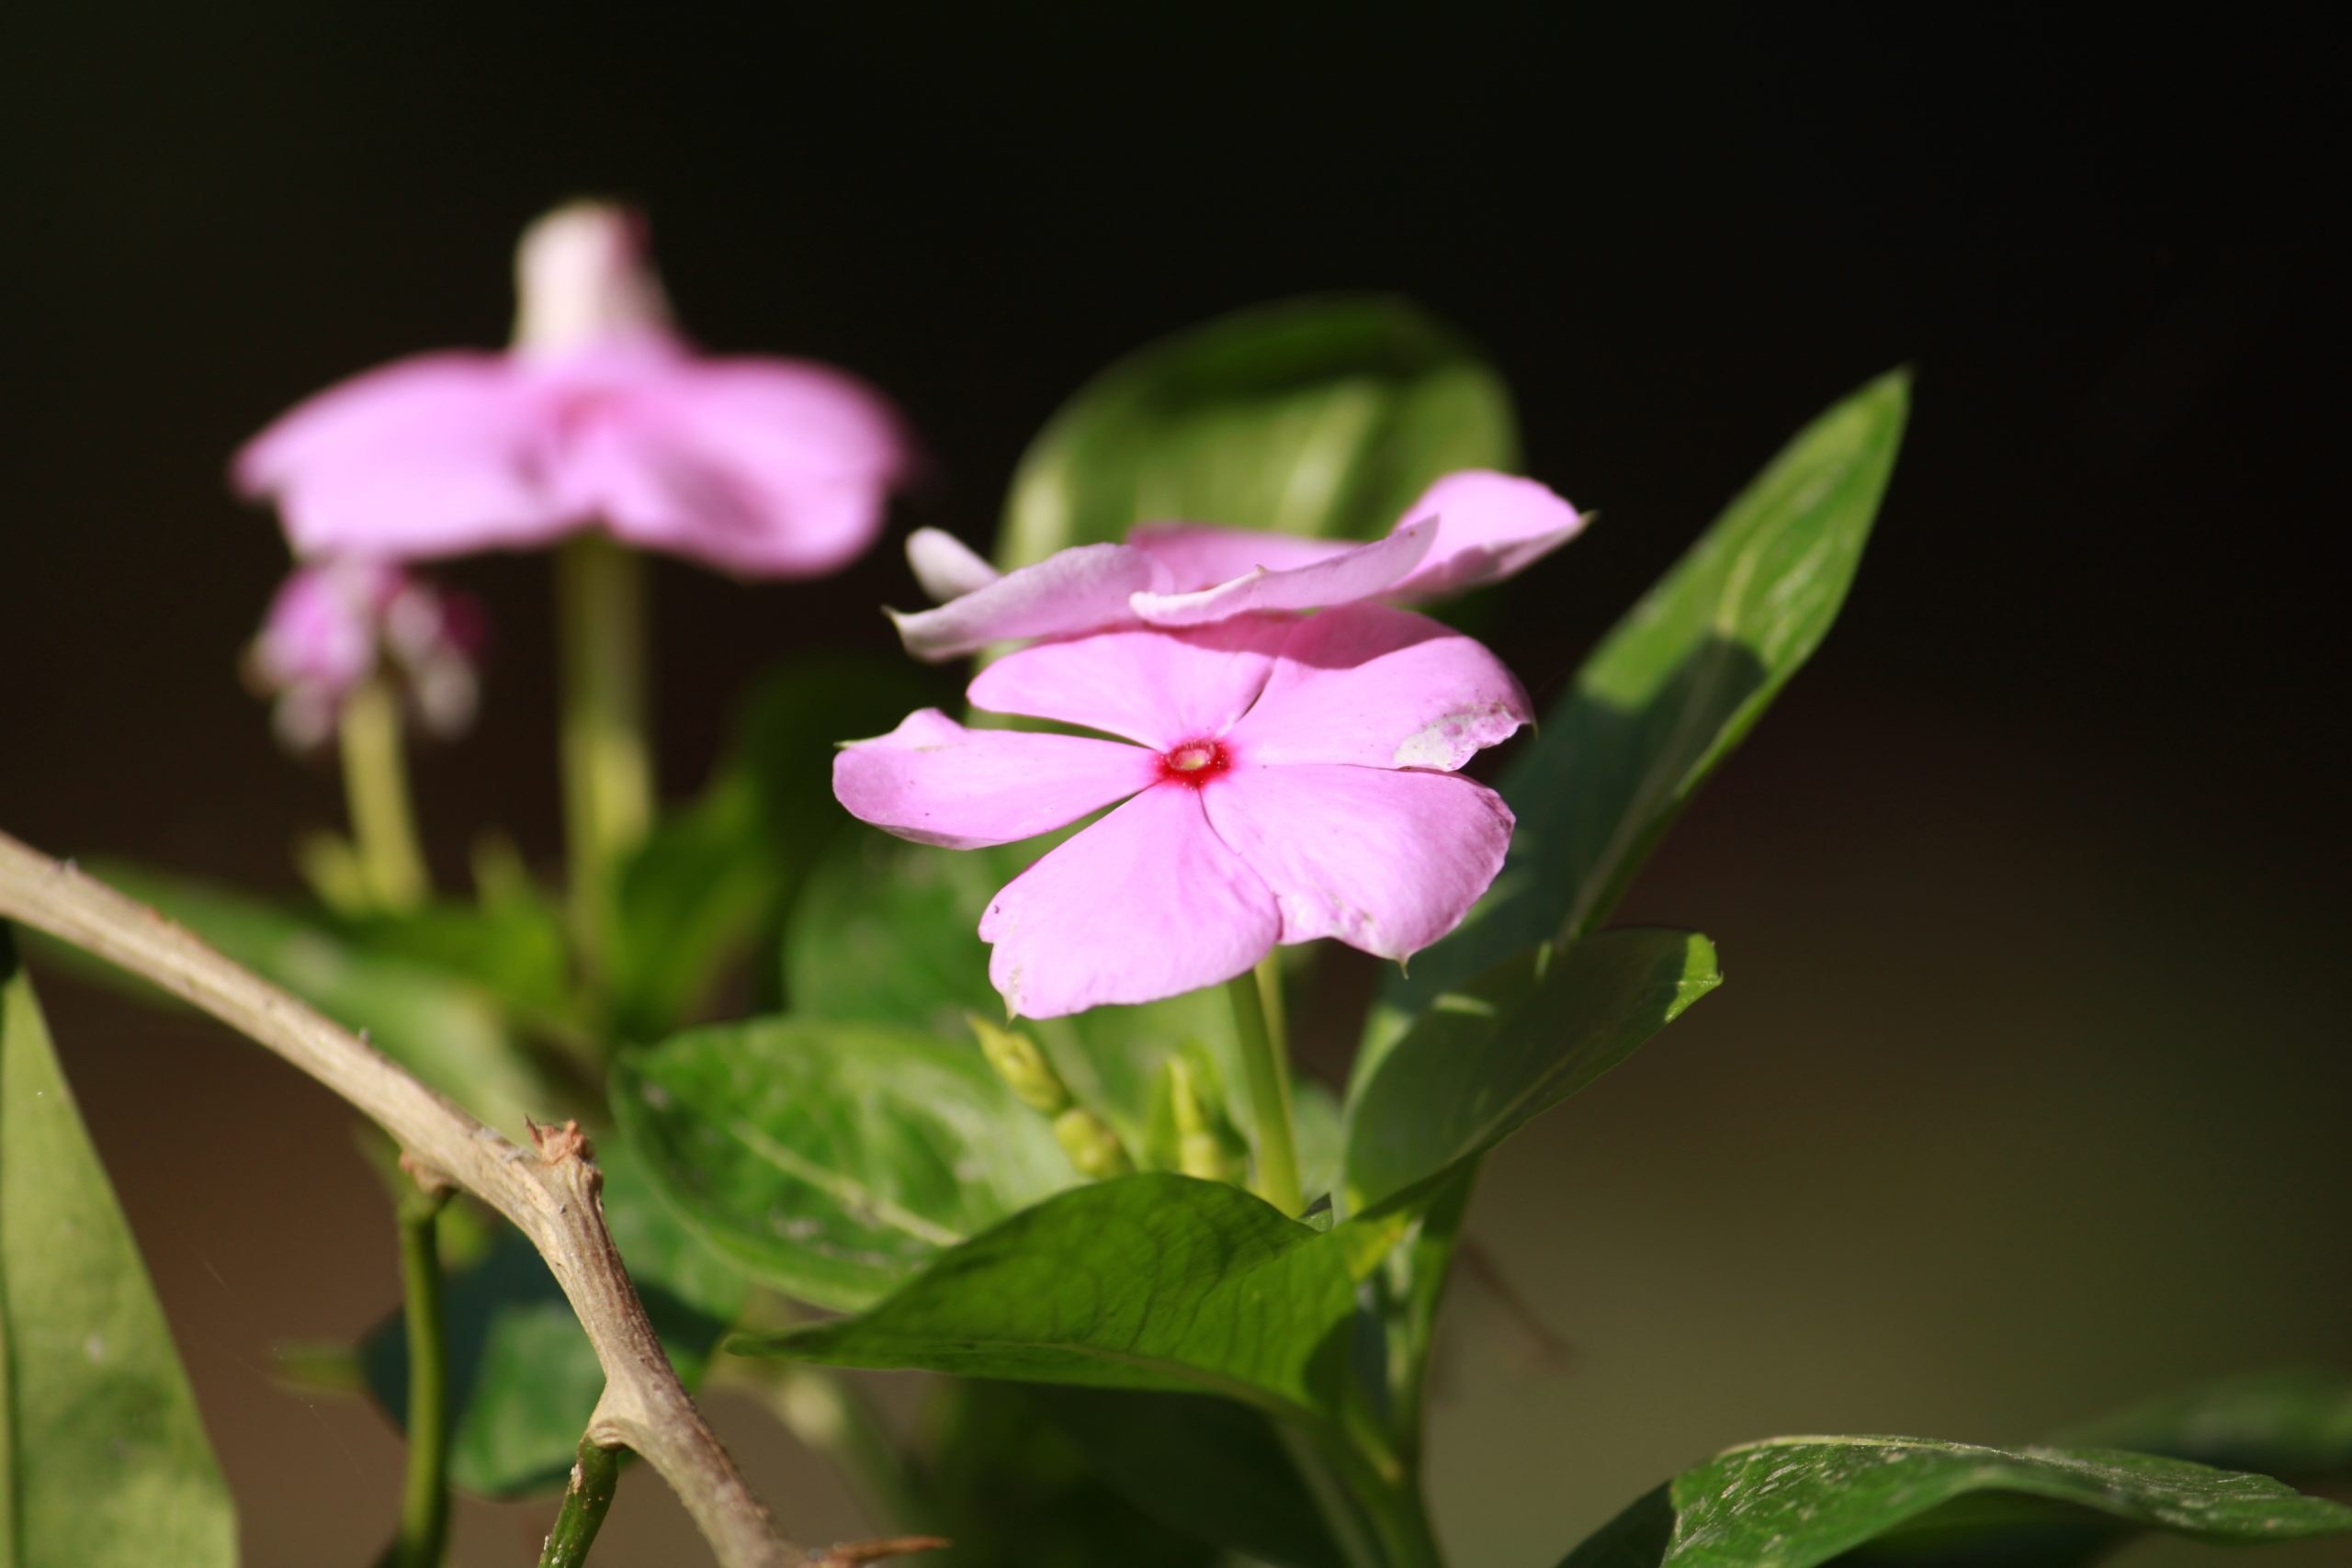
(608, 767)
(1265, 1063)
(424, 1502)
(375, 784)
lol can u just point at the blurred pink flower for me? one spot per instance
(1290, 779)
(333, 626)
(599, 416)
(1469, 528)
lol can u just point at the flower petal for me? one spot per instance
(767, 468)
(1360, 573)
(1381, 688)
(946, 566)
(935, 782)
(1078, 589)
(1489, 526)
(438, 455)
(1161, 688)
(1200, 554)
(1147, 903)
(1387, 860)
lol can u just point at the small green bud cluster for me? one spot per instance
(1093, 1146)
(1198, 1150)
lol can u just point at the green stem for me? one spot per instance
(608, 769)
(375, 784)
(1376, 1515)
(424, 1504)
(1265, 1062)
(1349, 1528)
(594, 1475)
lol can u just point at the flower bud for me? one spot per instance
(1090, 1144)
(1024, 1068)
(1199, 1151)
(335, 625)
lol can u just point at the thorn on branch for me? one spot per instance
(557, 1145)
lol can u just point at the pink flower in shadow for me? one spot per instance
(1469, 528)
(600, 415)
(1284, 778)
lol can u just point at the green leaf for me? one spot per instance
(102, 1457)
(1675, 686)
(1322, 416)
(1532, 1031)
(1793, 1502)
(716, 876)
(833, 1160)
(2295, 1423)
(888, 932)
(523, 1377)
(448, 1030)
(1152, 1281)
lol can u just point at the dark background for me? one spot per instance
(2028, 1092)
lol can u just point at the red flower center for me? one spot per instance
(1194, 762)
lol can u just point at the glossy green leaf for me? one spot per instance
(833, 1160)
(1793, 1502)
(1675, 686)
(1150, 1281)
(1324, 417)
(888, 932)
(1483, 1061)
(523, 1377)
(449, 1031)
(2295, 1423)
(716, 876)
(103, 1458)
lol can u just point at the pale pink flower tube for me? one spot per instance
(1468, 529)
(601, 415)
(1285, 779)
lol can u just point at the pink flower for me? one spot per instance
(1469, 528)
(332, 626)
(599, 416)
(1285, 779)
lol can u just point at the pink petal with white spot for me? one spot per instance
(1387, 860)
(1161, 688)
(1201, 554)
(1363, 573)
(1147, 903)
(1381, 688)
(935, 782)
(767, 468)
(946, 566)
(1489, 526)
(438, 455)
(1078, 589)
